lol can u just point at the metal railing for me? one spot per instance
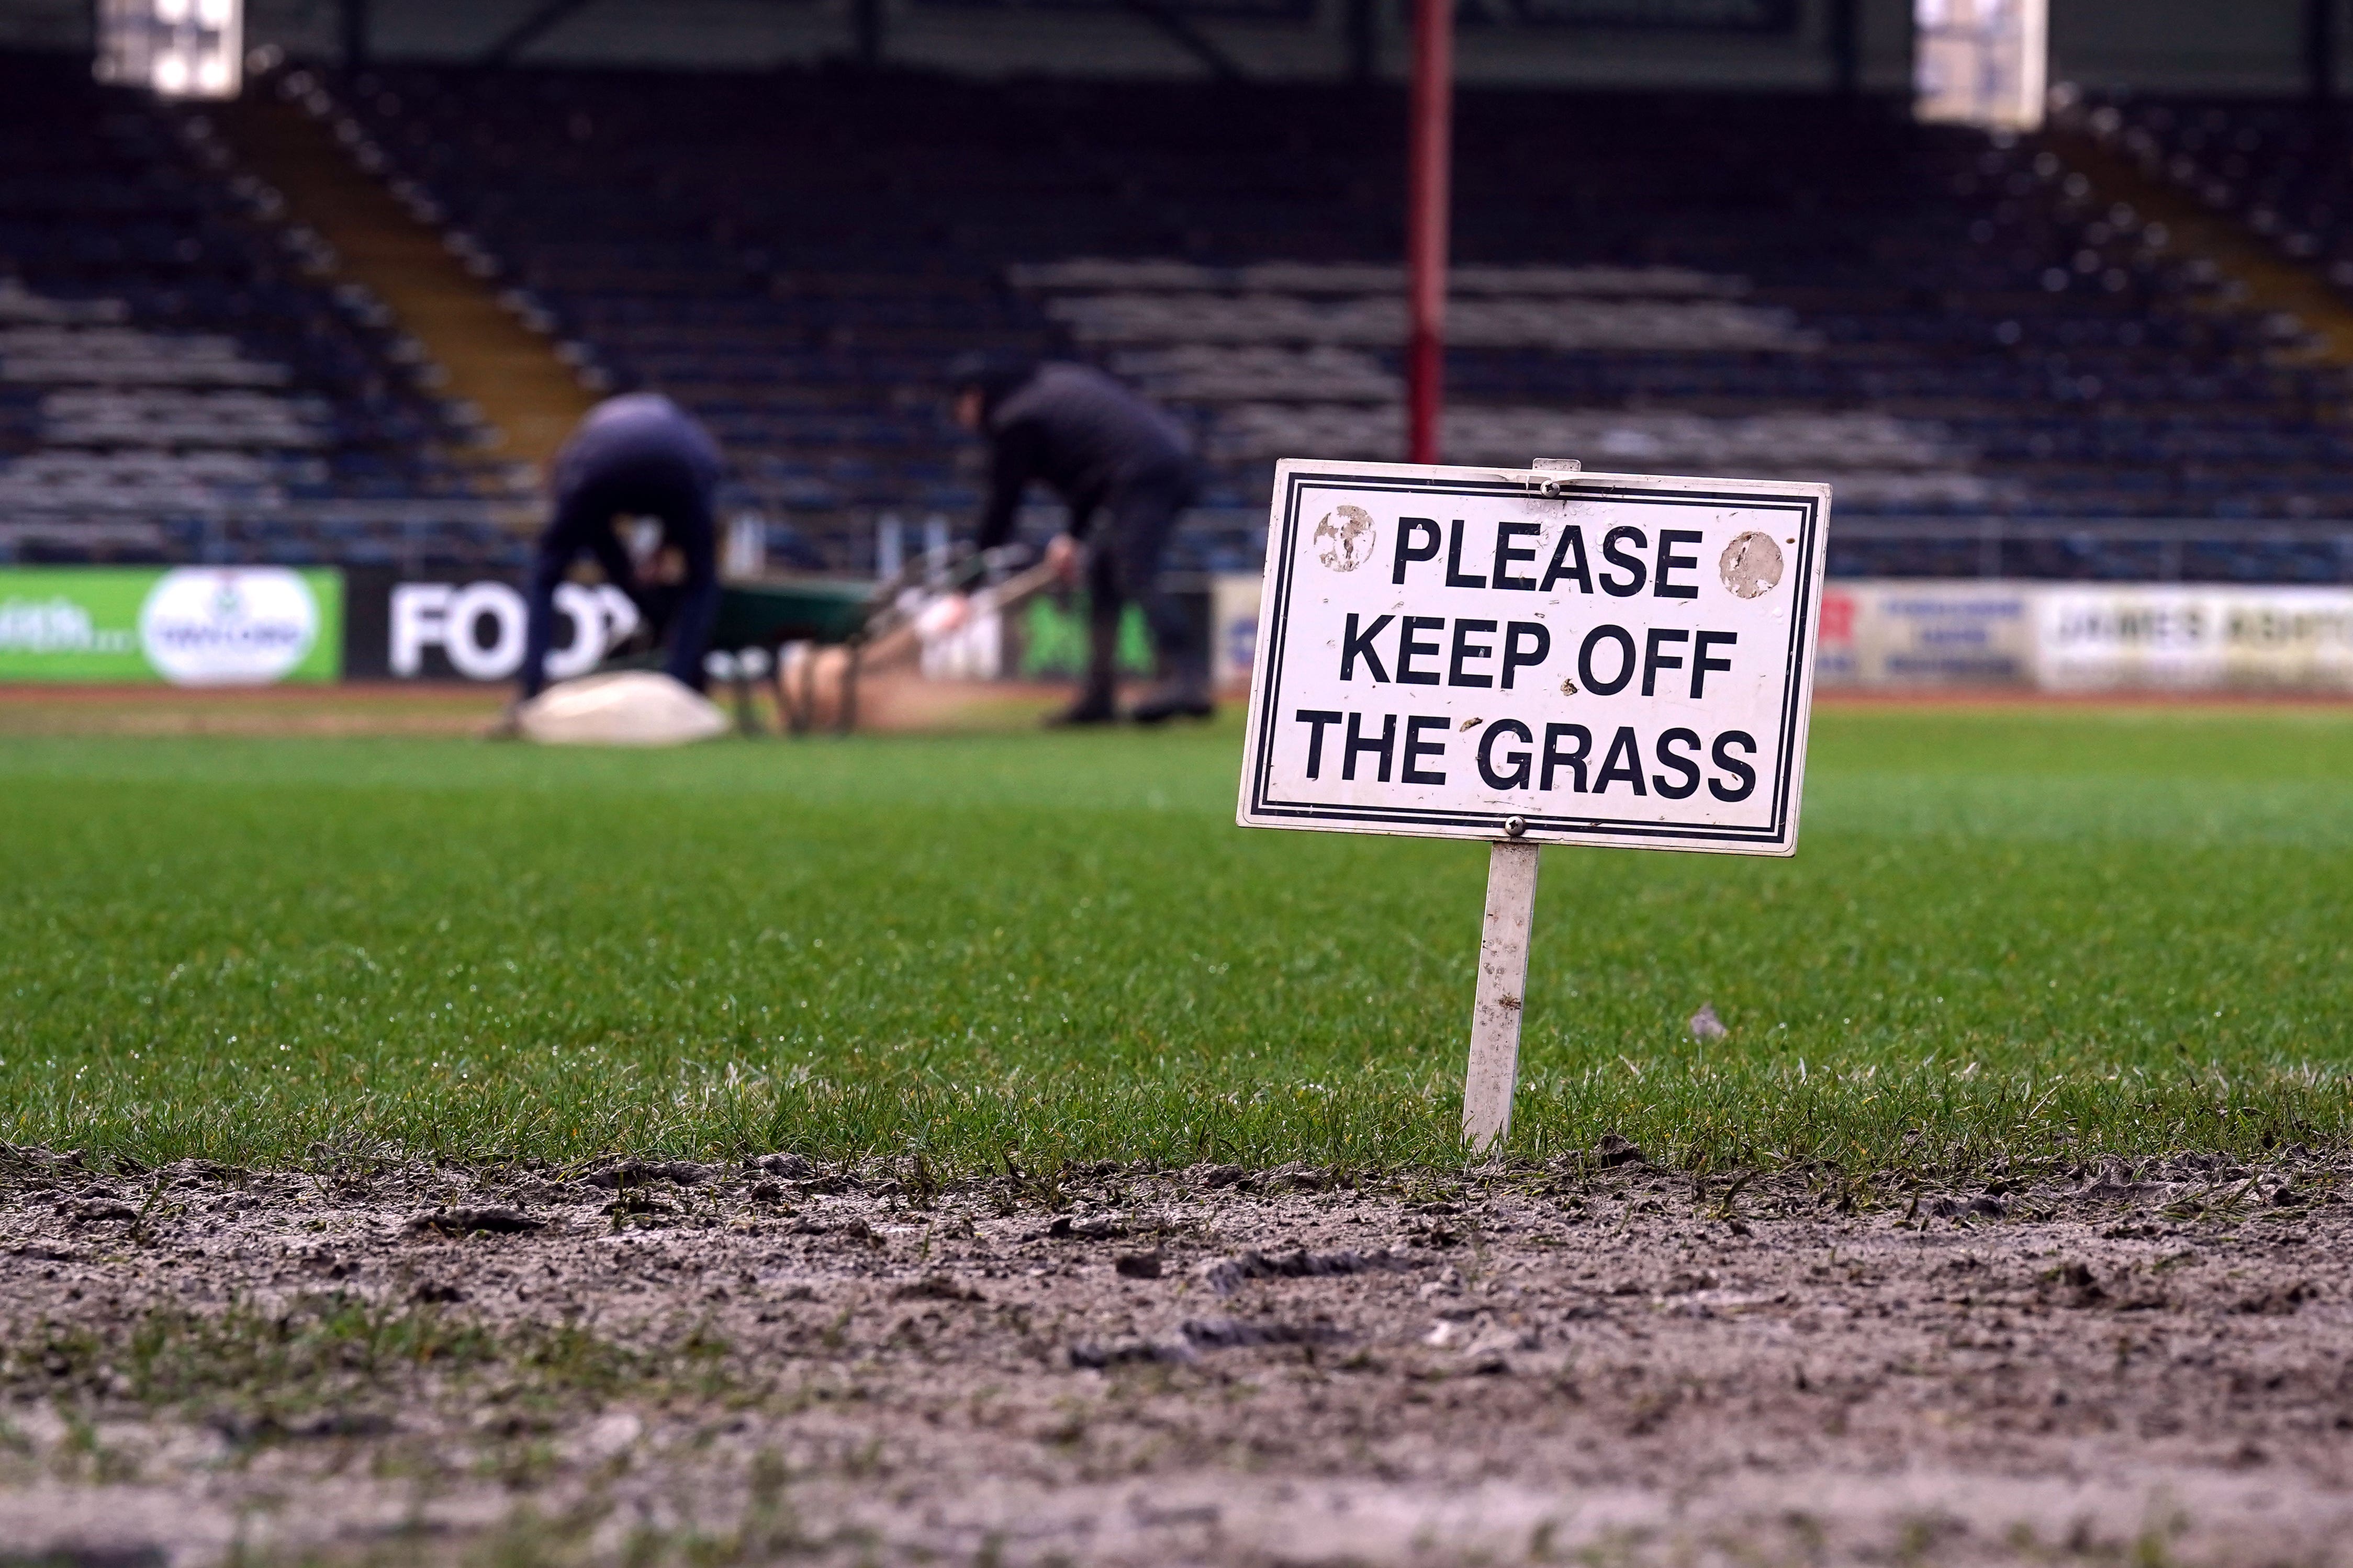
(2170, 547)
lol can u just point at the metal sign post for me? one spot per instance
(1430, 157)
(1531, 657)
(1494, 1070)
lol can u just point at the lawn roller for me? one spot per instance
(871, 621)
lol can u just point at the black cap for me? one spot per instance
(992, 373)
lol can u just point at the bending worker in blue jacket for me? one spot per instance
(638, 454)
(1103, 450)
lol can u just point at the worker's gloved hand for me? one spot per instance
(947, 614)
(1062, 555)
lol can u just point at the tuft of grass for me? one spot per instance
(332, 1361)
(2010, 932)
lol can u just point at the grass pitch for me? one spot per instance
(2021, 932)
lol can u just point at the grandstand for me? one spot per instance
(1948, 326)
(181, 379)
(2280, 167)
(2006, 368)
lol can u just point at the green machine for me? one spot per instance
(758, 620)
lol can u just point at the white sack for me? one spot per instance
(630, 708)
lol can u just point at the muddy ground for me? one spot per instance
(1599, 1362)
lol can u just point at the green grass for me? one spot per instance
(2046, 933)
(260, 1368)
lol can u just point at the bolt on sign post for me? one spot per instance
(1532, 657)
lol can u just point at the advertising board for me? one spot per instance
(428, 627)
(2194, 639)
(1233, 629)
(188, 625)
(1915, 634)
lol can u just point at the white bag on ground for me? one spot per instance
(628, 708)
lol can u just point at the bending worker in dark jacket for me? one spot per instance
(1101, 449)
(638, 454)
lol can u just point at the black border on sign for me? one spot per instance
(1807, 508)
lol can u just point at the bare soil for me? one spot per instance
(1599, 1362)
(364, 708)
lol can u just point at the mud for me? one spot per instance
(357, 708)
(1602, 1363)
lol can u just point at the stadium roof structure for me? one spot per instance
(2278, 47)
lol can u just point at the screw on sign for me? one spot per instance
(1527, 658)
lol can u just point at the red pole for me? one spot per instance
(1432, 111)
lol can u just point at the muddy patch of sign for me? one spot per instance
(1751, 565)
(1344, 538)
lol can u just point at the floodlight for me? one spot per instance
(1981, 62)
(178, 48)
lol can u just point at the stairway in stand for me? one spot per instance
(2269, 281)
(514, 376)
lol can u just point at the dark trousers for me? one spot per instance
(584, 525)
(1124, 568)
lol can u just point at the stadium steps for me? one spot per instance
(2271, 283)
(524, 391)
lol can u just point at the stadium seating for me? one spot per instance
(1937, 321)
(1941, 324)
(175, 383)
(2280, 166)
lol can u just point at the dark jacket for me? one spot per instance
(1082, 435)
(636, 434)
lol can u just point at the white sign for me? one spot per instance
(233, 626)
(1560, 656)
(481, 627)
(1958, 633)
(2165, 636)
